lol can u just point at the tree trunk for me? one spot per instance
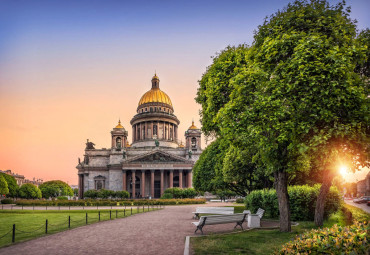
(320, 202)
(281, 185)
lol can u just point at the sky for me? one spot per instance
(70, 69)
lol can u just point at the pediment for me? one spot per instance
(157, 157)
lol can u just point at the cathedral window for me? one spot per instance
(154, 129)
(118, 143)
(193, 142)
(99, 182)
(151, 109)
(146, 109)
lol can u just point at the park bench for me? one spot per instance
(237, 218)
(213, 210)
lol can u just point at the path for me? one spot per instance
(157, 232)
(362, 206)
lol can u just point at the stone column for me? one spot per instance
(164, 132)
(133, 183)
(80, 186)
(133, 133)
(142, 183)
(124, 181)
(152, 183)
(162, 182)
(189, 179)
(171, 178)
(151, 135)
(180, 179)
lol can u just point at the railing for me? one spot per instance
(73, 222)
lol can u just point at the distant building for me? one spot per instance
(156, 159)
(361, 188)
(20, 178)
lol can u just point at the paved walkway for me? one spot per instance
(362, 206)
(157, 232)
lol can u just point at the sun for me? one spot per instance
(343, 170)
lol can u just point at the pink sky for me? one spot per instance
(70, 70)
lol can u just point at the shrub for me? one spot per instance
(7, 201)
(105, 193)
(239, 200)
(302, 201)
(122, 194)
(167, 196)
(335, 240)
(91, 193)
(93, 202)
(62, 198)
(179, 193)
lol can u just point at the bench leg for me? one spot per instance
(199, 228)
(196, 216)
(239, 224)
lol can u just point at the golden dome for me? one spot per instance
(181, 145)
(155, 95)
(192, 126)
(119, 125)
(127, 144)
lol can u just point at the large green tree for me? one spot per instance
(12, 185)
(3, 186)
(296, 102)
(55, 188)
(29, 191)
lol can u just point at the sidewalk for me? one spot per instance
(156, 232)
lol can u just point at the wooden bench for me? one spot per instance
(237, 218)
(213, 210)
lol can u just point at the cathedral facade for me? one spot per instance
(153, 162)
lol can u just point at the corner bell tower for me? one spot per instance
(119, 137)
(192, 136)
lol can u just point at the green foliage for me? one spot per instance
(12, 185)
(55, 188)
(207, 171)
(223, 194)
(104, 193)
(335, 240)
(167, 196)
(94, 202)
(29, 191)
(3, 186)
(75, 192)
(62, 198)
(179, 193)
(91, 193)
(302, 200)
(7, 201)
(122, 194)
(239, 200)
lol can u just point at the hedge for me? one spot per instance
(92, 202)
(302, 201)
(335, 240)
(179, 193)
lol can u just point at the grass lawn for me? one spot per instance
(263, 241)
(31, 224)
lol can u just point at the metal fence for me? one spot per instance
(44, 228)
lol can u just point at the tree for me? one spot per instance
(207, 171)
(55, 188)
(29, 191)
(296, 103)
(3, 186)
(75, 192)
(12, 185)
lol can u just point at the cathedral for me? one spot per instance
(153, 162)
